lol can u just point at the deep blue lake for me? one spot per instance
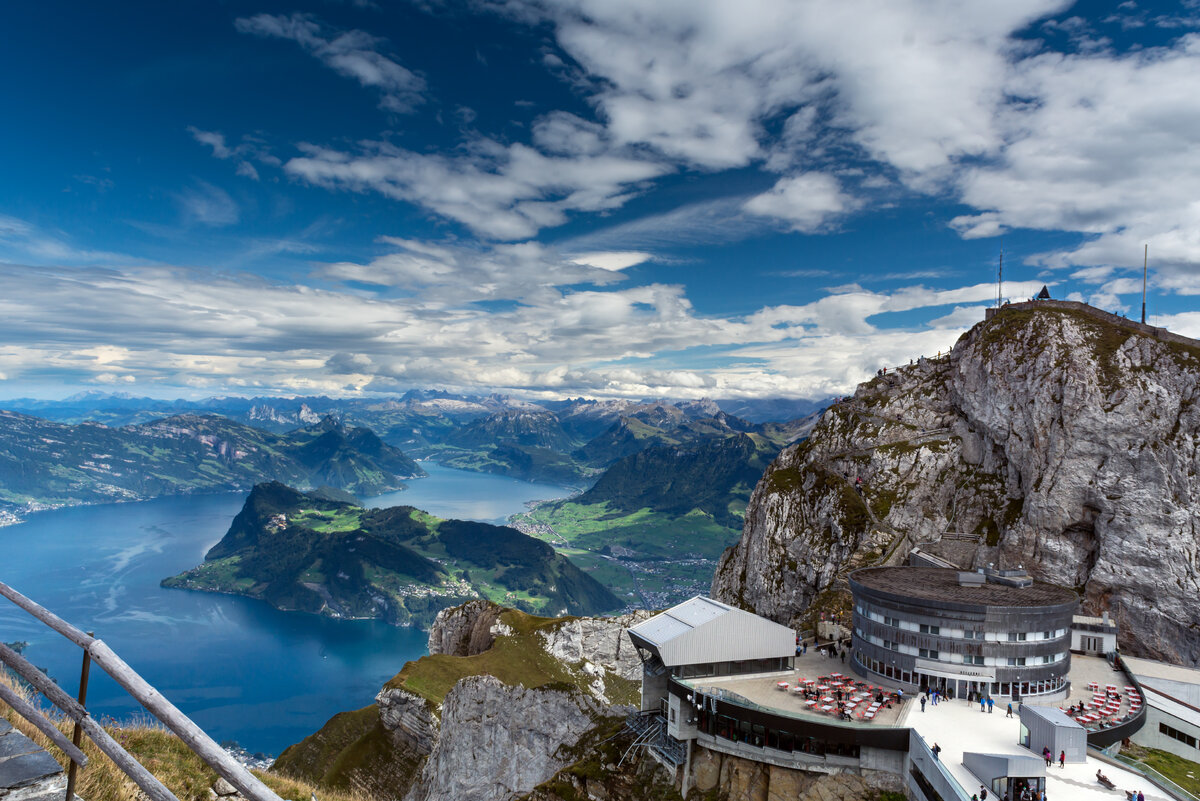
(242, 670)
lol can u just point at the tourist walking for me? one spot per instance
(1009, 715)
(991, 703)
(922, 703)
(937, 749)
(982, 793)
(982, 704)
(1062, 759)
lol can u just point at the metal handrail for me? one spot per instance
(95, 650)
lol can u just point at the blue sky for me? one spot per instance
(585, 197)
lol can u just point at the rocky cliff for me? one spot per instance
(1052, 436)
(503, 701)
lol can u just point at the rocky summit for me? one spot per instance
(1052, 436)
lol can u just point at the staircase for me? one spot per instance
(27, 772)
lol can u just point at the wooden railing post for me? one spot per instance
(77, 734)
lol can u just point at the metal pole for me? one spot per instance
(77, 734)
(1145, 259)
(1000, 279)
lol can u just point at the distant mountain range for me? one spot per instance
(321, 552)
(49, 463)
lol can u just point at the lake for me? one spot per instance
(242, 670)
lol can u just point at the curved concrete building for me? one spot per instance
(995, 632)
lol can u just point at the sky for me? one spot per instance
(601, 198)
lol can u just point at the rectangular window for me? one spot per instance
(1175, 734)
(1016, 636)
(928, 654)
(1017, 660)
(973, 660)
(926, 629)
(973, 635)
(1046, 635)
(891, 621)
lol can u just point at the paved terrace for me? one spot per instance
(958, 726)
(765, 691)
(1087, 670)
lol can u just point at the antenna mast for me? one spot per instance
(1000, 277)
(1145, 258)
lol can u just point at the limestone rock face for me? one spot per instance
(499, 741)
(599, 640)
(1057, 438)
(465, 630)
(408, 718)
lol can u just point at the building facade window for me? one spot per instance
(1016, 636)
(973, 660)
(927, 629)
(1176, 734)
(927, 653)
(1016, 660)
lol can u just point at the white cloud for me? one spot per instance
(207, 205)
(353, 54)
(808, 202)
(1108, 146)
(499, 192)
(614, 260)
(240, 333)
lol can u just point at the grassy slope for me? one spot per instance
(517, 659)
(161, 752)
(1174, 767)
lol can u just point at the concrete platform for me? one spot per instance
(27, 772)
(958, 727)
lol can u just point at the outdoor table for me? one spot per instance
(836, 683)
(810, 703)
(826, 708)
(1092, 685)
(797, 689)
(822, 687)
(1130, 689)
(850, 705)
(870, 714)
(808, 681)
(827, 699)
(839, 675)
(783, 685)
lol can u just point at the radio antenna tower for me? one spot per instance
(1145, 259)
(1000, 278)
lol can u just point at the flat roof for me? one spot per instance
(680, 619)
(1155, 669)
(940, 585)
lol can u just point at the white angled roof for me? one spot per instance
(702, 631)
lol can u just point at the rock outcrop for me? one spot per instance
(499, 741)
(411, 720)
(1052, 436)
(600, 641)
(466, 630)
(497, 708)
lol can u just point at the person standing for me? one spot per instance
(991, 704)
(1141, 796)
(982, 704)
(1062, 759)
(1009, 715)
(922, 703)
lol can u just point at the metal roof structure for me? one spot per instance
(704, 631)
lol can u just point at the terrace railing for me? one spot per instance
(97, 651)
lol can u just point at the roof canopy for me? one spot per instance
(703, 631)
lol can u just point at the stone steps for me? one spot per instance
(27, 772)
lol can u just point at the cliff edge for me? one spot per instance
(1052, 436)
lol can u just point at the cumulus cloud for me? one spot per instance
(237, 332)
(353, 54)
(500, 192)
(807, 202)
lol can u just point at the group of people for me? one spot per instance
(1048, 755)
